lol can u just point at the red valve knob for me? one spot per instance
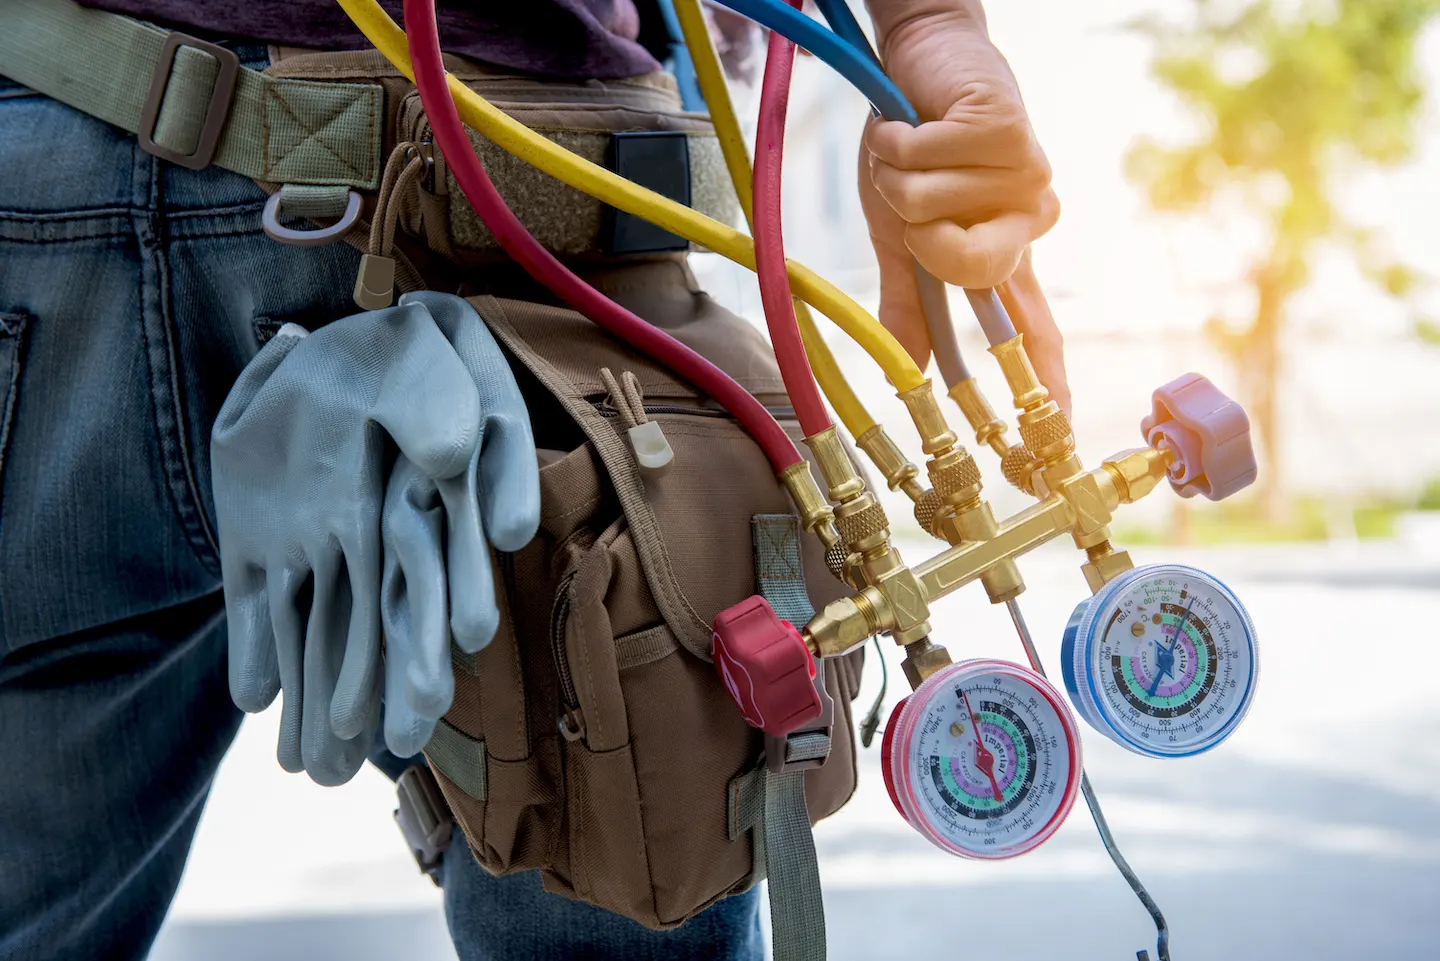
(766, 667)
(1209, 434)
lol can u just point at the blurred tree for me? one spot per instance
(1291, 95)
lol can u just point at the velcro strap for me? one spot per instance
(779, 570)
(459, 757)
(278, 130)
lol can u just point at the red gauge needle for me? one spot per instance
(984, 760)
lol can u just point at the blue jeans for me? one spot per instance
(132, 292)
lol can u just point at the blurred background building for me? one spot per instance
(1315, 832)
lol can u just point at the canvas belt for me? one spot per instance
(320, 141)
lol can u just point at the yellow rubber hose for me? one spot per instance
(610, 188)
(711, 77)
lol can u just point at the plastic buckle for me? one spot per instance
(424, 818)
(216, 113)
(777, 749)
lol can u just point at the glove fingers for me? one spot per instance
(428, 402)
(473, 612)
(401, 723)
(254, 672)
(329, 759)
(283, 585)
(406, 731)
(360, 660)
(509, 478)
(509, 481)
(415, 606)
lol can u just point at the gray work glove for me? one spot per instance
(438, 580)
(297, 456)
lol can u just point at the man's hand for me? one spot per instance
(965, 192)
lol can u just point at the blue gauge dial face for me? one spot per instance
(1169, 660)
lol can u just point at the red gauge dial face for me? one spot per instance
(984, 759)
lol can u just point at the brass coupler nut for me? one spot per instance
(1019, 466)
(858, 526)
(927, 512)
(1104, 565)
(1045, 432)
(922, 659)
(955, 477)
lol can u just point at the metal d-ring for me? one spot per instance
(270, 221)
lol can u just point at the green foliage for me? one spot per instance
(1289, 97)
(1429, 499)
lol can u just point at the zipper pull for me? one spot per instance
(375, 282)
(572, 724)
(653, 452)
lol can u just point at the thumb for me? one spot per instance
(901, 310)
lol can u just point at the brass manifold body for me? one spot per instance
(895, 599)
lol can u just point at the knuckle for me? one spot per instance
(1034, 167)
(901, 190)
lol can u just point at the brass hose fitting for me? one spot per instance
(863, 527)
(935, 434)
(1103, 563)
(899, 473)
(959, 513)
(923, 658)
(1091, 496)
(989, 428)
(1044, 428)
(815, 513)
(836, 467)
(862, 524)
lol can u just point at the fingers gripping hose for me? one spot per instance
(430, 80)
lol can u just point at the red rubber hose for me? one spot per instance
(424, 42)
(770, 239)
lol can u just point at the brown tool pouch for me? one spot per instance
(609, 743)
(592, 739)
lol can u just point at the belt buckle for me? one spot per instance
(216, 113)
(424, 818)
(777, 749)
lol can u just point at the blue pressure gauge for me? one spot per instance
(1162, 661)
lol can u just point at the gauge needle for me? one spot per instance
(984, 760)
(1165, 658)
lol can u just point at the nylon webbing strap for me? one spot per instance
(459, 757)
(277, 130)
(784, 844)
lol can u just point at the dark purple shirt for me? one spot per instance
(563, 39)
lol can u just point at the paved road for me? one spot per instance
(1314, 833)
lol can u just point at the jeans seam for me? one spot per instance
(167, 402)
(14, 325)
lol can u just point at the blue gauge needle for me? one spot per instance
(1165, 657)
